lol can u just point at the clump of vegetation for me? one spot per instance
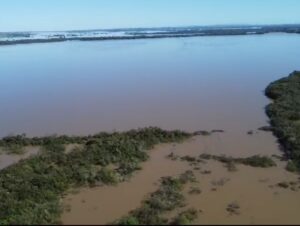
(189, 158)
(205, 156)
(186, 217)
(30, 191)
(172, 156)
(233, 208)
(205, 172)
(250, 132)
(187, 176)
(254, 161)
(108, 176)
(291, 166)
(283, 185)
(231, 167)
(266, 128)
(284, 113)
(202, 133)
(218, 131)
(257, 161)
(13, 149)
(195, 191)
(167, 198)
(292, 185)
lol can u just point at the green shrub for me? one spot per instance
(185, 218)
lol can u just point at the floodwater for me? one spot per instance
(254, 189)
(200, 83)
(187, 83)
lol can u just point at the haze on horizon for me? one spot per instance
(55, 15)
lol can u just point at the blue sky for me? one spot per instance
(25, 15)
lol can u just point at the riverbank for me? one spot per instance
(284, 113)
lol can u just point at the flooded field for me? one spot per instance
(191, 84)
(254, 189)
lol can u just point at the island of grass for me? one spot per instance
(31, 190)
(284, 114)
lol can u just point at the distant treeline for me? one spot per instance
(170, 33)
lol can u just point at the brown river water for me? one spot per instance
(200, 83)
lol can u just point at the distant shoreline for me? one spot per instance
(148, 34)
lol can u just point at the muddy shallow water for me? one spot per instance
(249, 187)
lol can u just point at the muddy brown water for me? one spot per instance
(201, 83)
(252, 188)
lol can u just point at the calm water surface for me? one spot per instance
(186, 83)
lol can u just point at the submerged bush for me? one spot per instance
(167, 198)
(254, 161)
(257, 161)
(186, 218)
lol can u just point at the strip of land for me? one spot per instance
(13, 38)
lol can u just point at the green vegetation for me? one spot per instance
(291, 166)
(254, 161)
(30, 191)
(167, 198)
(284, 113)
(150, 136)
(185, 218)
(229, 162)
(13, 149)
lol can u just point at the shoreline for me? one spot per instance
(151, 34)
